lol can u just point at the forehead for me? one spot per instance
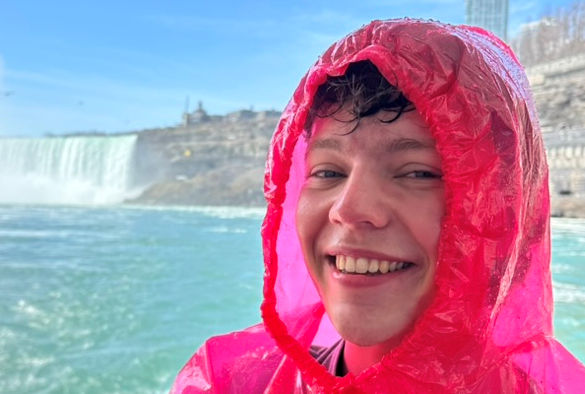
(340, 132)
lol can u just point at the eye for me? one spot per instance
(420, 175)
(326, 174)
(423, 174)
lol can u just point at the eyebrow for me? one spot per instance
(326, 143)
(394, 146)
(404, 144)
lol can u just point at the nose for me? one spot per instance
(362, 202)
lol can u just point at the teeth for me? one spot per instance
(362, 265)
(384, 266)
(349, 264)
(340, 262)
(374, 266)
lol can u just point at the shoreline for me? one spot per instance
(567, 208)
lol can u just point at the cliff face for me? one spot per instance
(559, 93)
(558, 88)
(217, 160)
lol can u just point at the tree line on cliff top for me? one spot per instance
(559, 34)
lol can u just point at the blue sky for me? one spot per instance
(68, 66)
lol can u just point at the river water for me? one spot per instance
(116, 299)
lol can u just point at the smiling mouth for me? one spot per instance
(365, 266)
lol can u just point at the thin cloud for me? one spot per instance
(211, 26)
(186, 22)
(326, 17)
(107, 104)
(96, 86)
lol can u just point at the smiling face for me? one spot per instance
(368, 220)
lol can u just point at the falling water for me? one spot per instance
(66, 170)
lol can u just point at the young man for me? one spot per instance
(407, 197)
(369, 213)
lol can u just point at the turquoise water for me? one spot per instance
(568, 240)
(115, 300)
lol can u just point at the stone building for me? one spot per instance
(197, 116)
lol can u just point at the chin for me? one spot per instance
(367, 338)
(364, 332)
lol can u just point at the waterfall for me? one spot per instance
(66, 170)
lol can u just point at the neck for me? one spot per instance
(358, 358)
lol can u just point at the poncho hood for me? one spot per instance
(489, 327)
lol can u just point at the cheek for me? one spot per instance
(427, 222)
(301, 215)
(305, 223)
(437, 213)
(311, 225)
(312, 212)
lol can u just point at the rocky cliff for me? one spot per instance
(558, 88)
(210, 160)
(559, 93)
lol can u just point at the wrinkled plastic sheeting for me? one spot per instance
(489, 328)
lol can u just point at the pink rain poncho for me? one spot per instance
(489, 326)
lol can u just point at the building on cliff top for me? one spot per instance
(197, 116)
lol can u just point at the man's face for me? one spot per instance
(368, 220)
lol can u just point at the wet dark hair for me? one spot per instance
(365, 90)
